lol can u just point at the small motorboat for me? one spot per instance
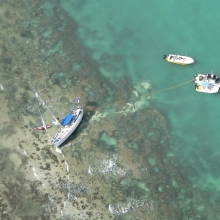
(178, 59)
(208, 83)
(42, 127)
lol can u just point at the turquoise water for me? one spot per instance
(128, 38)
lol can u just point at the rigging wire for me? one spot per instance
(37, 104)
(42, 120)
(197, 68)
(38, 96)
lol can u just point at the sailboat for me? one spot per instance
(67, 125)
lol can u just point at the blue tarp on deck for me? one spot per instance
(67, 119)
(206, 84)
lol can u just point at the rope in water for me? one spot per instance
(173, 87)
(147, 94)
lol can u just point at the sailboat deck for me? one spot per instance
(66, 130)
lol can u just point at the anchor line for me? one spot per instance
(147, 94)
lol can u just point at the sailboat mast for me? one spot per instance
(42, 120)
(38, 96)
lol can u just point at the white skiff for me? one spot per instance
(178, 59)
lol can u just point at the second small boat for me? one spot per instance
(178, 59)
(208, 83)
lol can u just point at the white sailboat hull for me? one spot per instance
(65, 131)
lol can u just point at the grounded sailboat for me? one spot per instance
(68, 124)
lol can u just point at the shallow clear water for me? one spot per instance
(130, 39)
(132, 156)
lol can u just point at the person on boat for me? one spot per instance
(42, 127)
(200, 78)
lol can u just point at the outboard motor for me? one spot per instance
(164, 56)
(214, 77)
(217, 80)
(208, 76)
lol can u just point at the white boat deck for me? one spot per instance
(207, 84)
(179, 59)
